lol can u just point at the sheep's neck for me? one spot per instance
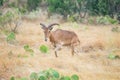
(51, 37)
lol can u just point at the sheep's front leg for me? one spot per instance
(57, 47)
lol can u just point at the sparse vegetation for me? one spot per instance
(33, 4)
(11, 37)
(113, 56)
(49, 74)
(43, 48)
(106, 20)
(28, 49)
(96, 22)
(10, 20)
(23, 56)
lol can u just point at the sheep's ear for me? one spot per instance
(43, 26)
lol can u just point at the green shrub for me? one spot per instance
(49, 74)
(106, 20)
(10, 19)
(23, 10)
(5, 18)
(92, 7)
(12, 4)
(11, 37)
(33, 4)
(28, 49)
(33, 76)
(113, 56)
(74, 77)
(65, 78)
(64, 7)
(91, 20)
(43, 49)
(1, 2)
(12, 78)
(71, 18)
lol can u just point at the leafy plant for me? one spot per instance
(64, 7)
(71, 18)
(12, 78)
(74, 77)
(106, 20)
(28, 49)
(49, 74)
(33, 4)
(34, 76)
(23, 78)
(65, 78)
(9, 20)
(11, 37)
(91, 20)
(113, 56)
(43, 49)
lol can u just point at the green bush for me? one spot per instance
(43, 49)
(33, 76)
(73, 18)
(6, 18)
(106, 20)
(28, 49)
(65, 78)
(2, 2)
(12, 78)
(10, 17)
(23, 10)
(64, 7)
(92, 7)
(113, 56)
(74, 77)
(13, 4)
(33, 4)
(49, 74)
(91, 20)
(11, 37)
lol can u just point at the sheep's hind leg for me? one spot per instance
(72, 50)
(56, 54)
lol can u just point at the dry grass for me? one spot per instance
(90, 64)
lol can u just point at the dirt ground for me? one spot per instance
(92, 63)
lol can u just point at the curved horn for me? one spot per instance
(52, 25)
(43, 26)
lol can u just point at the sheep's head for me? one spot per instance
(47, 30)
